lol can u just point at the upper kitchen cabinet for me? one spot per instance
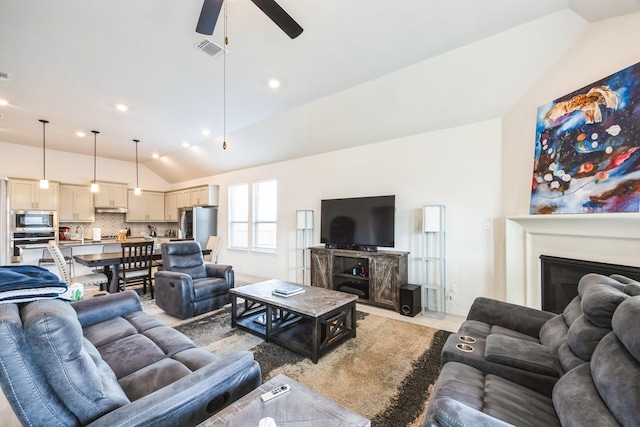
(76, 204)
(171, 206)
(183, 198)
(111, 195)
(27, 195)
(205, 195)
(148, 206)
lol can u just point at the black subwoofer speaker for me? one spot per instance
(410, 300)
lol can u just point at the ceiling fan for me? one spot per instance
(211, 10)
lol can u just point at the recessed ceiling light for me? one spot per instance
(274, 83)
(80, 134)
(206, 132)
(155, 155)
(186, 144)
(122, 107)
(4, 102)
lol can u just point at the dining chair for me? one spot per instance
(67, 253)
(137, 258)
(213, 244)
(97, 279)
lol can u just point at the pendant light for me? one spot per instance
(44, 182)
(137, 190)
(94, 183)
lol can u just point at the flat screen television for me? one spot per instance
(361, 223)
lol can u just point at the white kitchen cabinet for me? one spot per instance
(111, 195)
(27, 195)
(76, 204)
(171, 206)
(204, 195)
(183, 198)
(148, 206)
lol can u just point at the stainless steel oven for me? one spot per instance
(30, 228)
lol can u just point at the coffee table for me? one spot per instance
(297, 407)
(311, 323)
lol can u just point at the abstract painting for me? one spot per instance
(587, 150)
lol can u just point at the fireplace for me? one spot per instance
(560, 277)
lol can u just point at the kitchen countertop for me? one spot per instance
(87, 242)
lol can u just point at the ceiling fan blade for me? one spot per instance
(209, 16)
(280, 17)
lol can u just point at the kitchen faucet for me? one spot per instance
(81, 233)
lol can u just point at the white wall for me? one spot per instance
(458, 167)
(19, 161)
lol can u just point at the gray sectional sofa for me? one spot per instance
(526, 367)
(104, 362)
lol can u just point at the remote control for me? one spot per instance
(275, 392)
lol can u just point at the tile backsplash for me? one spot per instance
(111, 223)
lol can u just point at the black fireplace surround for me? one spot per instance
(560, 277)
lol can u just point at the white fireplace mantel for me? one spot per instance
(608, 238)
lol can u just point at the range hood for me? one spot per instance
(112, 210)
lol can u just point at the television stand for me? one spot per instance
(375, 277)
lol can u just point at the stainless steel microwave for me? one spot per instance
(33, 220)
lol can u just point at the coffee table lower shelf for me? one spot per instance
(309, 336)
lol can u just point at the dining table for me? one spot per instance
(111, 262)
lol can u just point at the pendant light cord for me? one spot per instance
(44, 152)
(224, 82)
(137, 183)
(95, 136)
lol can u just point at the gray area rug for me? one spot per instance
(385, 374)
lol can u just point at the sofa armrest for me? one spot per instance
(511, 316)
(182, 279)
(448, 412)
(521, 354)
(98, 309)
(191, 399)
(222, 271)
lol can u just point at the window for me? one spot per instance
(239, 216)
(265, 215)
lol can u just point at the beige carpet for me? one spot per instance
(384, 374)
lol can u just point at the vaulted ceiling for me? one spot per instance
(361, 72)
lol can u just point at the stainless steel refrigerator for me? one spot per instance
(199, 222)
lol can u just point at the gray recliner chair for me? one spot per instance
(104, 362)
(186, 286)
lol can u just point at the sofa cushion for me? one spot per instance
(209, 287)
(577, 401)
(83, 381)
(568, 359)
(572, 311)
(488, 394)
(33, 399)
(615, 366)
(554, 333)
(184, 257)
(477, 329)
(584, 336)
(600, 301)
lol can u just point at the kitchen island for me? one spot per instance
(31, 254)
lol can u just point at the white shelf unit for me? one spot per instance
(304, 240)
(434, 281)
